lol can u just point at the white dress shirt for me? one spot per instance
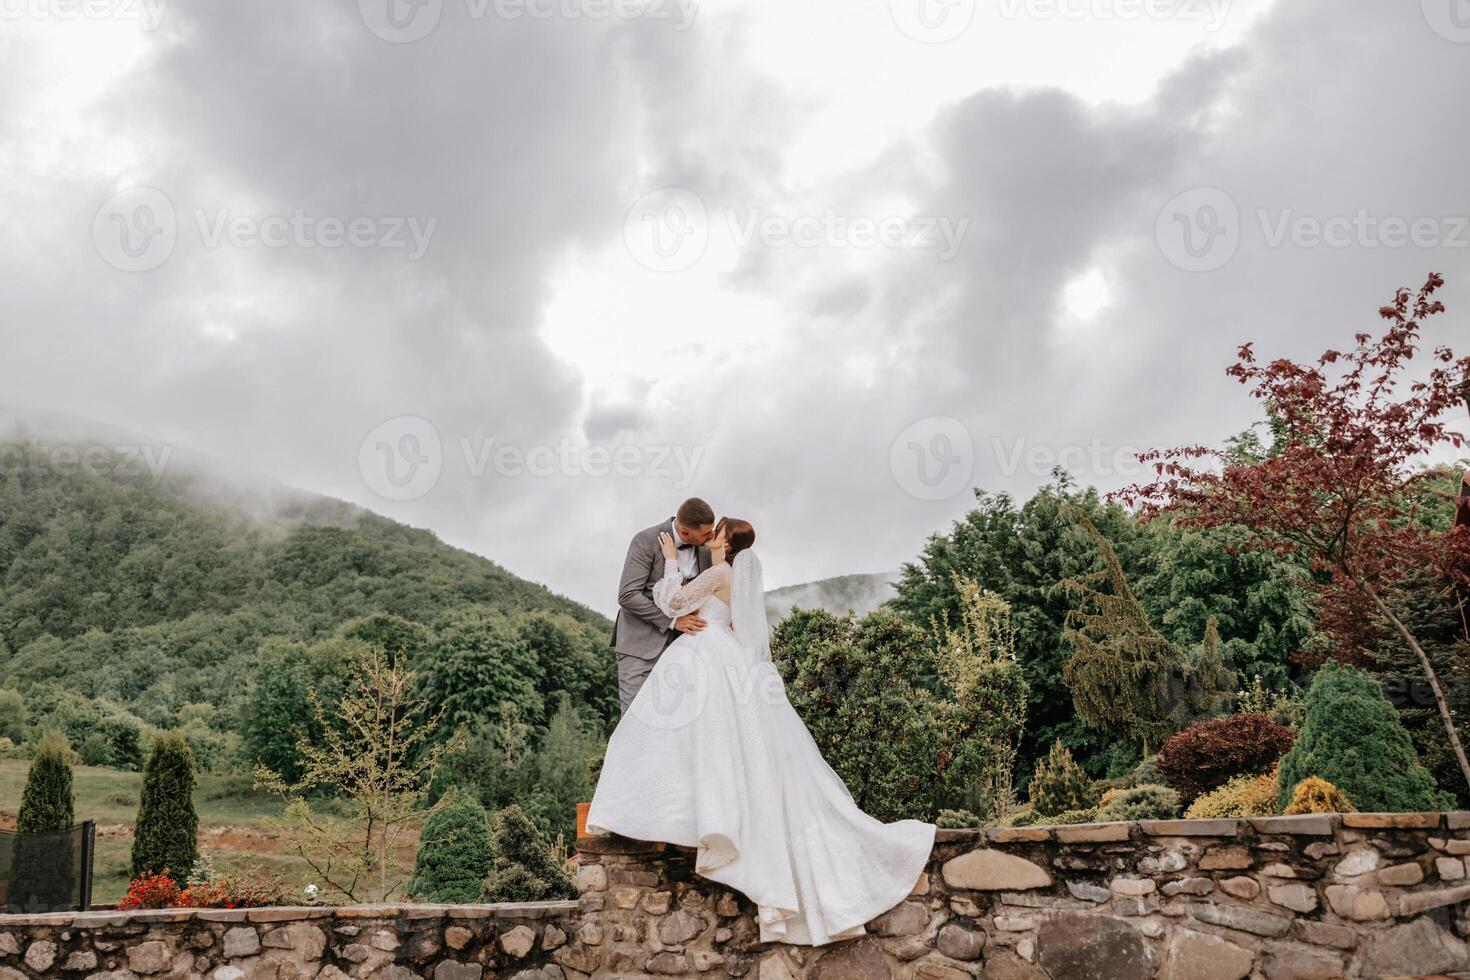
(688, 557)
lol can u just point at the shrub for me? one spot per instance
(1208, 753)
(1316, 795)
(1059, 783)
(1021, 816)
(1242, 796)
(151, 891)
(957, 819)
(46, 801)
(1147, 772)
(454, 852)
(166, 835)
(1353, 739)
(1141, 803)
(95, 750)
(233, 892)
(1084, 815)
(41, 878)
(524, 868)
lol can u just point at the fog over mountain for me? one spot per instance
(858, 594)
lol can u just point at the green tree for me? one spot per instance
(12, 716)
(525, 869)
(1126, 678)
(1353, 739)
(982, 711)
(864, 690)
(1212, 684)
(495, 758)
(453, 857)
(1019, 552)
(1060, 784)
(378, 757)
(41, 878)
(562, 774)
(166, 836)
(478, 660)
(46, 801)
(281, 715)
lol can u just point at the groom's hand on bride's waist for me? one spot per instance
(689, 623)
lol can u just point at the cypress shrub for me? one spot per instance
(42, 878)
(1208, 753)
(453, 859)
(166, 837)
(46, 802)
(1060, 784)
(524, 869)
(1353, 739)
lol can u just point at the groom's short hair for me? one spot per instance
(695, 513)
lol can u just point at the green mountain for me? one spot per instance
(134, 592)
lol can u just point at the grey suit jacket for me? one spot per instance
(642, 630)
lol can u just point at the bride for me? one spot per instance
(711, 755)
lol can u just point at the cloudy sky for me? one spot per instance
(528, 272)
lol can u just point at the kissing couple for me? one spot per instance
(709, 754)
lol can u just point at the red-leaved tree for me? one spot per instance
(1342, 483)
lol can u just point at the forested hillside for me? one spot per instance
(130, 602)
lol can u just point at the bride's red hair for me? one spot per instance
(739, 535)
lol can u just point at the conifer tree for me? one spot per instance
(1354, 740)
(453, 858)
(46, 801)
(1211, 682)
(525, 869)
(1060, 784)
(167, 835)
(41, 878)
(1126, 678)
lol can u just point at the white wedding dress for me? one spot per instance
(711, 755)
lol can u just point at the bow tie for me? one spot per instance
(686, 547)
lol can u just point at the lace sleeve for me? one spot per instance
(676, 599)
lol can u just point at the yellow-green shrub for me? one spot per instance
(1242, 796)
(1316, 795)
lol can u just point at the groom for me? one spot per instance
(642, 630)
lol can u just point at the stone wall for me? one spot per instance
(1359, 895)
(384, 942)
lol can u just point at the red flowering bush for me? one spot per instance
(151, 891)
(1208, 753)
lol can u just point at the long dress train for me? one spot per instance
(711, 755)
